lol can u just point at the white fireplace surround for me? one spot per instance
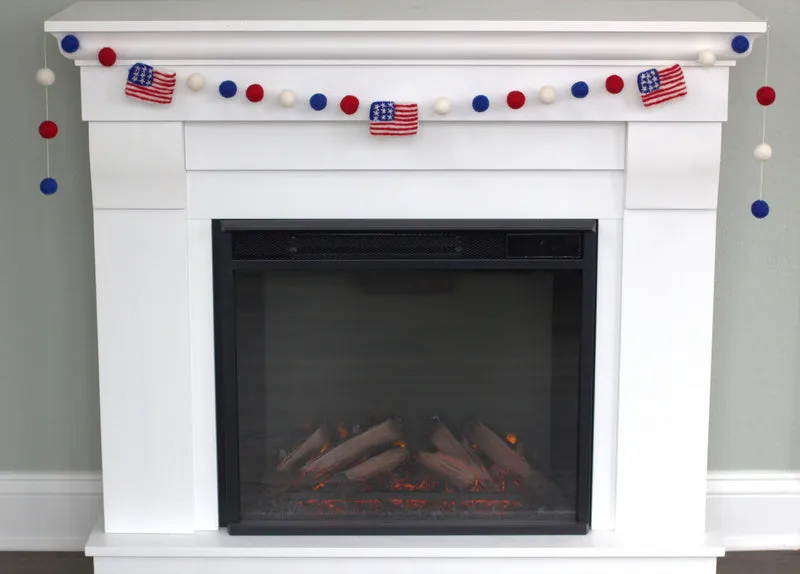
(160, 174)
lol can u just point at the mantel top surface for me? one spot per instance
(407, 15)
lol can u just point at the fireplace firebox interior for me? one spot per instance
(405, 377)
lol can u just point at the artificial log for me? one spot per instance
(354, 448)
(384, 462)
(462, 474)
(446, 442)
(312, 446)
(485, 477)
(501, 453)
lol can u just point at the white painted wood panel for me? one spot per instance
(137, 165)
(406, 194)
(606, 376)
(349, 146)
(445, 15)
(145, 393)
(665, 371)
(602, 565)
(673, 166)
(204, 414)
(103, 97)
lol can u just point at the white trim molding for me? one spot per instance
(755, 510)
(48, 510)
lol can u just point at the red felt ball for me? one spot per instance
(254, 93)
(766, 96)
(48, 129)
(349, 105)
(615, 84)
(515, 100)
(107, 57)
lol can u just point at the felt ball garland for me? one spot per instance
(254, 93)
(515, 100)
(480, 103)
(318, 102)
(70, 44)
(228, 89)
(349, 105)
(107, 57)
(48, 129)
(287, 98)
(740, 44)
(615, 84)
(580, 90)
(196, 82)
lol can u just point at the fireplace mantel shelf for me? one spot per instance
(599, 30)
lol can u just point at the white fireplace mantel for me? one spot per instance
(161, 174)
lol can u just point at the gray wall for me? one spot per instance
(48, 371)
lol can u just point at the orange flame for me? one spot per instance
(512, 438)
(401, 443)
(342, 431)
(324, 448)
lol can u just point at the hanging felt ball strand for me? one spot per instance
(70, 44)
(515, 100)
(107, 57)
(254, 93)
(759, 209)
(480, 103)
(318, 102)
(766, 96)
(763, 152)
(48, 129)
(45, 77)
(228, 89)
(48, 186)
(580, 90)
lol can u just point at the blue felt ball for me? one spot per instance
(740, 44)
(227, 89)
(580, 89)
(760, 209)
(70, 44)
(480, 103)
(318, 102)
(48, 186)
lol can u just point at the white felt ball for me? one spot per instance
(45, 76)
(707, 58)
(763, 151)
(442, 106)
(547, 95)
(287, 98)
(196, 82)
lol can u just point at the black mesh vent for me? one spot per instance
(403, 245)
(398, 245)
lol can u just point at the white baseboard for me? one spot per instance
(56, 511)
(755, 510)
(48, 510)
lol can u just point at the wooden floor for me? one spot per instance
(73, 563)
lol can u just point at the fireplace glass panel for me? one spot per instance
(409, 399)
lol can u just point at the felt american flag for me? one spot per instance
(660, 86)
(149, 84)
(393, 119)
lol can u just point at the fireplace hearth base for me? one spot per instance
(218, 553)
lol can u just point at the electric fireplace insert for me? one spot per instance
(405, 377)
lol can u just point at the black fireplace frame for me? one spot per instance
(224, 267)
